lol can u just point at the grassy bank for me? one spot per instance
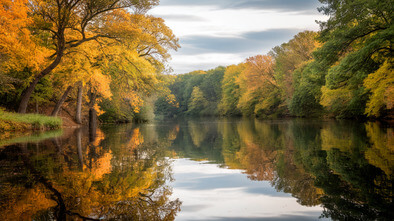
(23, 122)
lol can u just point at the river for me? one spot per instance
(201, 169)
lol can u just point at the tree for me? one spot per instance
(381, 85)
(18, 48)
(291, 56)
(259, 87)
(357, 40)
(230, 90)
(308, 81)
(69, 24)
(197, 101)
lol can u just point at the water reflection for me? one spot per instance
(125, 172)
(344, 166)
(108, 177)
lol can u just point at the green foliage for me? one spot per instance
(230, 90)
(308, 81)
(211, 83)
(197, 102)
(358, 38)
(181, 100)
(164, 108)
(290, 56)
(116, 111)
(17, 81)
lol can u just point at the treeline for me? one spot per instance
(344, 71)
(97, 57)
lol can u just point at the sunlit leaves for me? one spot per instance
(18, 48)
(381, 85)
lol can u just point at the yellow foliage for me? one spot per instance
(381, 85)
(171, 99)
(336, 139)
(381, 152)
(100, 83)
(332, 98)
(256, 82)
(173, 133)
(259, 72)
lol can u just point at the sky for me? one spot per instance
(223, 32)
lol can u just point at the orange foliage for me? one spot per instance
(16, 43)
(136, 139)
(259, 72)
(102, 166)
(24, 203)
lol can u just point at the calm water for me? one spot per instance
(206, 169)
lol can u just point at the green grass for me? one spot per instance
(14, 122)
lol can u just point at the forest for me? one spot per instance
(344, 71)
(109, 59)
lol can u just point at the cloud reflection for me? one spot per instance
(208, 191)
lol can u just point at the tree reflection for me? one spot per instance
(123, 172)
(352, 188)
(116, 175)
(345, 166)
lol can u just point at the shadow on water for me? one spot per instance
(123, 172)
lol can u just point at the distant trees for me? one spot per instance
(194, 93)
(231, 91)
(197, 101)
(344, 71)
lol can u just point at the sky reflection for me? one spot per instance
(209, 192)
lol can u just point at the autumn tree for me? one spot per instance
(66, 25)
(230, 90)
(259, 87)
(19, 52)
(197, 101)
(18, 48)
(291, 56)
(135, 66)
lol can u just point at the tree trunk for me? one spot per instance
(79, 103)
(92, 116)
(26, 94)
(61, 101)
(25, 97)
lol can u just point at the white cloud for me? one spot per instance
(214, 21)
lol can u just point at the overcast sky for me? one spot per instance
(224, 32)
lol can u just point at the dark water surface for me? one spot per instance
(203, 169)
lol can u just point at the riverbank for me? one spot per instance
(14, 122)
